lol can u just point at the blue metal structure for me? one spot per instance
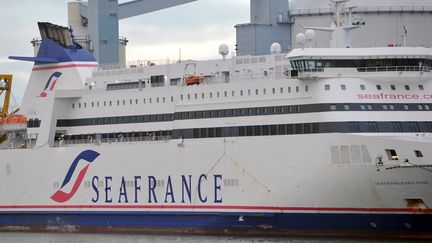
(103, 17)
(270, 23)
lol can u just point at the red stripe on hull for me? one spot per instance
(64, 66)
(258, 208)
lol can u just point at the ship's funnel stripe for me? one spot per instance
(64, 66)
(61, 196)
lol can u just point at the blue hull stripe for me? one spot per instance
(232, 220)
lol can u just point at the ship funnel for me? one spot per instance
(59, 34)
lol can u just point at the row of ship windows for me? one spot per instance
(268, 130)
(255, 111)
(378, 87)
(195, 96)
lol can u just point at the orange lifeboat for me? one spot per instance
(191, 80)
(14, 122)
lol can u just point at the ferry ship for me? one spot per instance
(316, 141)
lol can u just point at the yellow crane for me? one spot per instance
(5, 87)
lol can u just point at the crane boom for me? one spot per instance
(5, 87)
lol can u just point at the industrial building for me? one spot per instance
(386, 22)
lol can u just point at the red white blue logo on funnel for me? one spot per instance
(50, 84)
(61, 196)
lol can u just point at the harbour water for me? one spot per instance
(12, 237)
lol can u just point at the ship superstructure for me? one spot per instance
(316, 140)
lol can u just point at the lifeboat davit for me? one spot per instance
(194, 80)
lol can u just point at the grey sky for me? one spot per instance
(197, 28)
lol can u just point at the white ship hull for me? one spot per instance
(235, 183)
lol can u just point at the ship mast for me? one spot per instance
(340, 31)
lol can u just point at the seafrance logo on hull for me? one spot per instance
(50, 84)
(184, 189)
(61, 196)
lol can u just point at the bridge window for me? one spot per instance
(343, 87)
(379, 87)
(327, 87)
(421, 87)
(362, 87)
(407, 87)
(392, 87)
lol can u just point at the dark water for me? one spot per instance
(127, 238)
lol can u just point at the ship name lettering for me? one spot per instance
(172, 190)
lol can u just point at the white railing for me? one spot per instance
(395, 69)
(366, 9)
(118, 140)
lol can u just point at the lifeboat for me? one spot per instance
(191, 80)
(13, 122)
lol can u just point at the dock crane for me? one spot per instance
(5, 87)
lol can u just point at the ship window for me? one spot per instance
(392, 87)
(150, 100)
(92, 104)
(163, 99)
(369, 107)
(172, 99)
(281, 90)
(391, 154)
(362, 87)
(256, 91)
(196, 96)
(421, 87)
(118, 102)
(249, 92)
(218, 94)
(307, 88)
(124, 102)
(104, 103)
(273, 90)
(427, 107)
(379, 87)
(297, 89)
(110, 103)
(385, 107)
(406, 107)
(363, 107)
(327, 87)
(130, 102)
(407, 87)
(420, 107)
(355, 154)
(225, 94)
(289, 89)
(346, 107)
(343, 87)
(345, 154)
(181, 97)
(333, 107)
(233, 93)
(202, 95)
(392, 107)
(85, 105)
(211, 95)
(335, 156)
(188, 96)
(365, 154)
(418, 153)
(73, 106)
(97, 104)
(264, 91)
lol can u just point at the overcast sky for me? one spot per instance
(198, 28)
